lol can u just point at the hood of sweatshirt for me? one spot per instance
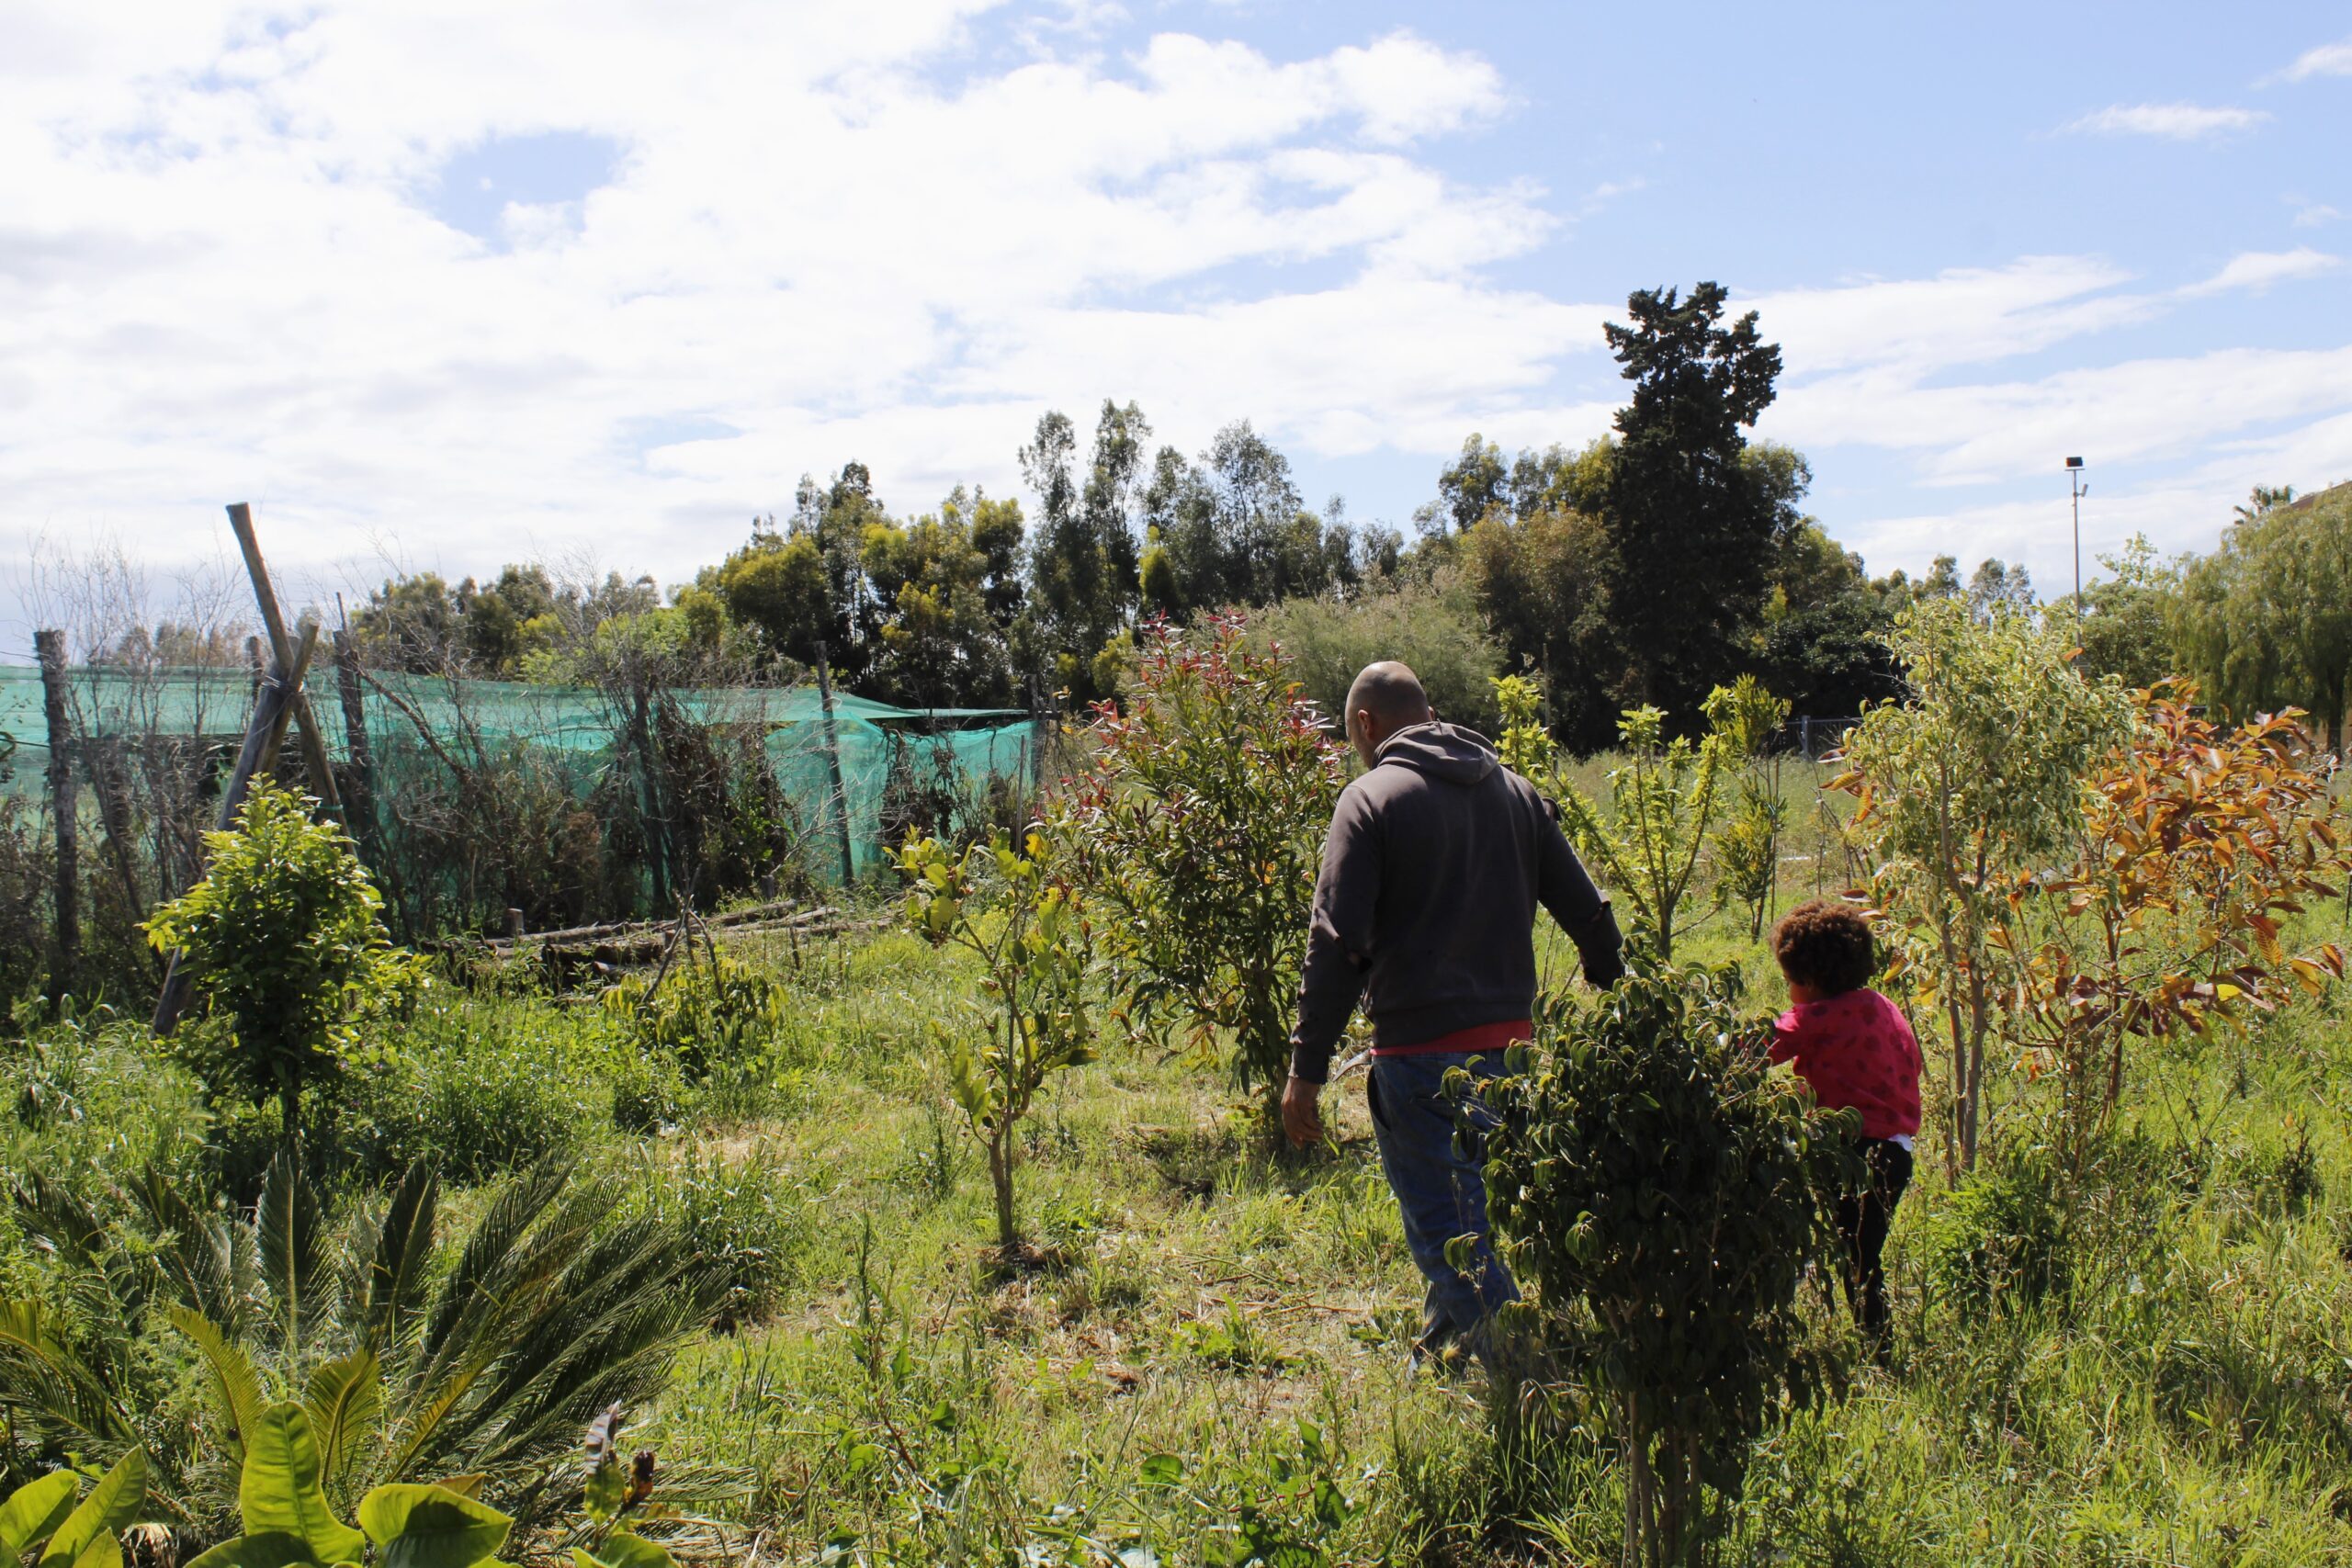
(1442, 750)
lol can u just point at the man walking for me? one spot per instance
(1425, 909)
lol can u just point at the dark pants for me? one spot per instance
(1440, 1192)
(1862, 1219)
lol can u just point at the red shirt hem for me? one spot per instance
(1482, 1037)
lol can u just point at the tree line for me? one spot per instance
(1648, 567)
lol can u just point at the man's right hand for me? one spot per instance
(1302, 1111)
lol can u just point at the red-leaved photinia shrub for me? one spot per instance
(1198, 827)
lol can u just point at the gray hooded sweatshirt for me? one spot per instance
(1425, 909)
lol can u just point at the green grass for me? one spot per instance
(2185, 1395)
(1212, 1355)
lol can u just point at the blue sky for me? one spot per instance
(445, 286)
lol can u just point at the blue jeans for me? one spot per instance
(1440, 1192)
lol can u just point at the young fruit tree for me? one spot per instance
(1031, 936)
(1976, 780)
(2199, 842)
(1665, 1192)
(283, 940)
(1746, 849)
(1649, 842)
(1197, 827)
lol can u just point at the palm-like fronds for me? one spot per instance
(552, 1310)
(56, 1382)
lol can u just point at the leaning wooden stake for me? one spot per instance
(315, 761)
(265, 733)
(64, 807)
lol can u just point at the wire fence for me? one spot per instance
(472, 798)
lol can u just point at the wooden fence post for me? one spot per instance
(1039, 728)
(64, 807)
(359, 811)
(833, 761)
(109, 781)
(657, 827)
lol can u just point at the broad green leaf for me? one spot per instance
(431, 1527)
(234, 1378)
(259, 1552)
(113, 1503)
(624, 1549)
(34, 1510)
(281, 1491)
(103, 1551)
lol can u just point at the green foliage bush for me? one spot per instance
(478, 1089)
(557, 1302)
(289, 1522)
(282, 936)
(1649, 844)
(1665, 1194)
(1976, 780)
(1432, 627)
(717, 1017)
(1999, 1238)
(1196, 833)
(1031, 935)
(742, 1218)
(91, 1093)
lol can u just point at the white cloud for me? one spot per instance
(2144, 409)
(829, 230)
(1964, 316)
(888, 233)
(2258, 270)
(2178, 122)
(2327, 60)
(1882, 366)
(2315, 215)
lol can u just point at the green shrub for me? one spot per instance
(1664, 1194)
(718, 1018)
(1999, 1238)
(557, 1302)
(1196, 833)
(1431, 627)
(91, 1093)
(479, 1089)
(282, 936)
(1030, 934)
(741, 1219)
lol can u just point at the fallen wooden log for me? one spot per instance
(756, 914)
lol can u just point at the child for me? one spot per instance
(1856, 1049)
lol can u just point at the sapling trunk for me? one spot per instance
(1008, 1225)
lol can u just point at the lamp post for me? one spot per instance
(2075, 480)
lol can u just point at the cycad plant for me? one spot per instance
(551, 1310)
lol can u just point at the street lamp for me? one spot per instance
(2075, 477)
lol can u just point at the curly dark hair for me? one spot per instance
(1826, 945)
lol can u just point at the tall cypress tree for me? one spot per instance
(1690, 528)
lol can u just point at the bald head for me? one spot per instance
(1385, 698)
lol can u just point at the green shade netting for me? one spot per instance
(583, 724)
